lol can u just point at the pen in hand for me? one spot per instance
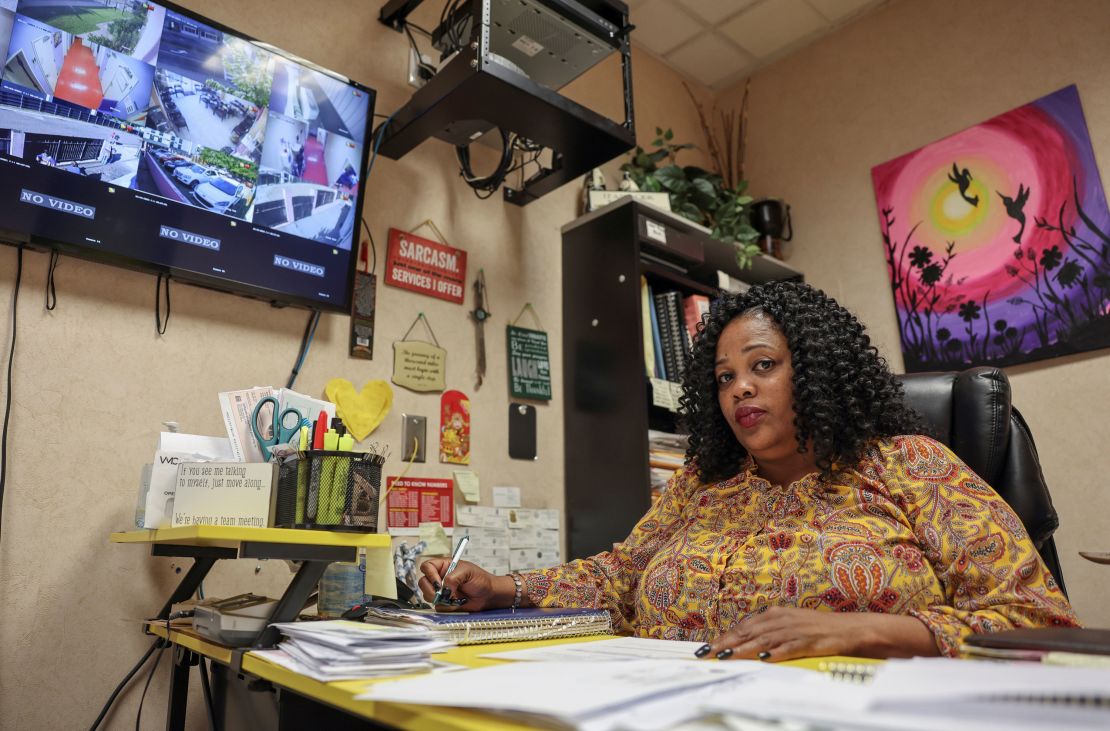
(443, 595)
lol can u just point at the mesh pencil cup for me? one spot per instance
(328, 490)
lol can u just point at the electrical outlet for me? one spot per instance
(414, 431)
(420, 69)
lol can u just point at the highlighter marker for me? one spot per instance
(343, 490)
(329, 514)
(302, 476)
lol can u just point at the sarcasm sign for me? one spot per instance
(425, 266)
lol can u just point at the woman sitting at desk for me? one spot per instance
(810, 518)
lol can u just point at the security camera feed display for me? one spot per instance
(172, 130)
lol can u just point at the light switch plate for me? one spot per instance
(414, 429)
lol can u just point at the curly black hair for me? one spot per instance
(844, 393)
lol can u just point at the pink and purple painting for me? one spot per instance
(997, 240)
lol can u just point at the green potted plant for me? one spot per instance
(715, 198)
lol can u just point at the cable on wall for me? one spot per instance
(8, 390)
(157, 644)
(51, 294)
(306, 342)
(373, 248)
(158, 322)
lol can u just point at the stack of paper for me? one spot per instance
(588, 695)
(340, 650)
(934, 694)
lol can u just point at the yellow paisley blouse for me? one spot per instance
(910, 530)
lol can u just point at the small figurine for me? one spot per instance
(404, 564)
(628, 184)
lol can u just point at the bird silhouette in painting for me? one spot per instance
(1015, 208)
(963, 179)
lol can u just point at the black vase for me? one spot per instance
(771, 218)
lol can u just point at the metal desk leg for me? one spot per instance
(292, 601)
(182, 662)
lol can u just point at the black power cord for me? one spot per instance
(488, 184)
(8, 393)
(306, 341)
(206, 686)
(161, 324)
(51, 292)
(159, 643)
(149, 677)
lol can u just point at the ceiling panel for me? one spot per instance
(773, 25)
(709, 59)
(714, 11)
(663, 25)
(717, 42)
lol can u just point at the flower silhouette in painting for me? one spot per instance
(969, 311)
(920, 256)
(1050, 258)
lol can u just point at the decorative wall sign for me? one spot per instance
(454, 428)
(480, 314)
(997, 240)
(362, 310)
(529, 363)
(418, 365)
(428, 267)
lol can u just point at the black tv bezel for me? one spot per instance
(273, 297)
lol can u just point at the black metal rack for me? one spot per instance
(474, 87)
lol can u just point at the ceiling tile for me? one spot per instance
(662, 25)
(709, 58)
(770, 26)
(714, 11)
(838, 9)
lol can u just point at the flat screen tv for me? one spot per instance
(141, 134)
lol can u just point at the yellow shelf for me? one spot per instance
(230, 537)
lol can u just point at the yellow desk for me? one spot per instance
(340, 695)
(208, 544)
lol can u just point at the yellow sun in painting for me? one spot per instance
(953, 214)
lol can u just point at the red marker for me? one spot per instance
(321, 429)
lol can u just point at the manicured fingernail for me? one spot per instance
(724, 654)
(764, 655)
(702, 651)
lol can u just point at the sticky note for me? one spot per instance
(506, 497)
(380, 580)
(467, 482)
(436, 538)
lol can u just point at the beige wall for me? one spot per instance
(93, 382)
(909, 74)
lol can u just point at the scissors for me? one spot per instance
(278, 432)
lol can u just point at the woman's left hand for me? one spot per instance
(787, 633)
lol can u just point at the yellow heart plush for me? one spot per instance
(362, 411)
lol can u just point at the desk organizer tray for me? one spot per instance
(326, 490)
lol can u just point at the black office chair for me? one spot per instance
(970, 411)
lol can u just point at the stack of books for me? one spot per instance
(670, 321)
(666, 453)
(342, 650)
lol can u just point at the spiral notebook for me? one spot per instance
(499, 625)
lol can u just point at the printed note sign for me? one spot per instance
(428, 267)
(234, 494)
(529, 364)
(419, 366)
(416, 500)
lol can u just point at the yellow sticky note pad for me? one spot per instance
(380, 580)
(467, 482)
(436, 538)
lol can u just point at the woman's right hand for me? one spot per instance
(481, 589)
